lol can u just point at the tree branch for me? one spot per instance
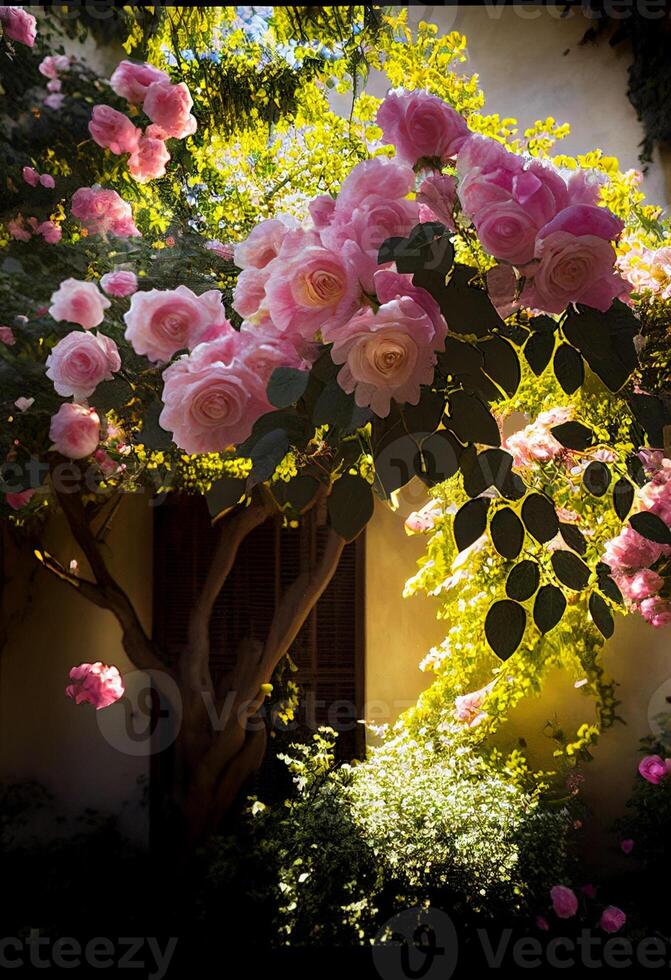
(194, 663)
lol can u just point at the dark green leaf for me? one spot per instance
(224, 494)
(538, 351)
(501, 363)
(266, 454)
(286, 386)
(350, 506)
(470, 522)
(297, 494)
(573, 435)
(623, 497)
(651, 414)
(335, 407)
(607, 583)
(397, 460)
(606, 341)
(601, 615)
(549, 607)
(568, 368)
(507, 532)
(425, 416)
(153, 435)
(467, 308)
(523, 580)
(439, 457)
(459, 357)
(651, 527)
(504, 627)
(570, 570)
(573, 537)
(111, 395)
(542, 324)
(472, 421)
(540, 517)
(596, 478)
(491, 467)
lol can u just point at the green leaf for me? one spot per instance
(425, 416)
(111, 395)
(523, 580)
(573, 537)
(224, 494)
(153, 435)
(651, 414)
(651, 527)
(623, 497)
(439, 457)
(596, 478)
(607, 583)
(335, 407)
(286, 386)
(549, 607)
(504, 627)
(470, 522)
(297, 493)
(501, 363)
(601, 615)
(573, 435)
(350, 506)
(467, 308)
(538, 351)
(605, 340)
(507, 532)
(568, 368)
(540, 517)
(471, 420)
(266, 454)
(570, 570)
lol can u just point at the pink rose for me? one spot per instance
(564, 901)
(309, 288)
(80, 361)
(18, 25)
(31, 176)
(7, 336)
(535, 443)
(148, 160)
(131, 80)
(121, 282)
(211, 398)
(95, 684)
(654, 768)
(52, 64)
(467, 707)
(641, 585)
(54, 85)
(421, 125)
(46, 180)
(17, 229)
(18, 500)
(437, 194)
(113, 130)
(54, 101)
(263, 243)
(168, 106)
(50, 232)
(386, 355)
(630, 551)
(250, 291)
(224, 250)
(162, 321)
(23, 404)
(627, 845)
(321, 210)
(79, 302)
(656, 611)
(75, 430)
(612, 919)
(424, 519)
(101, 211)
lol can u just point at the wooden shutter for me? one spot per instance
(329, 650)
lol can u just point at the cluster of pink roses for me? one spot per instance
(535, 442)
(97, 684)
(102, 211)
(654, 769)
(31, 176)
(565, 906)
(631, 556)
(22, 229)
(648, 269)
(50, 67)
(166, 105)
(18, 25)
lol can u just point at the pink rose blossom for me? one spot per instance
(52, 64)
(17, 229)
(101, 211)
(162, 321)
(121, 282)
(168, 106)
(54, 101)
(627, 845)
(18, 500)
(437, 195)
(107, 465)
(630, 551)
(95, 684)
(641, 585)
(656, 611)
(612, 919)
(424, 519)
(224, 250)
(535, 443)
(7, 336)
(31, 176)
(79, 302)
(50, 232)
(564, 901)
(148, 160)
(75, 430)
(467, 707)
(18, 25)
(55, 85)
(211, 398)
(112, 129)
(131, 80)
(46, 180)
(23, 404)
(321, 210)
(80, 361)
(421, 125)
(263, 243)
(654, 768)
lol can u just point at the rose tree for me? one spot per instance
(369, 345)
